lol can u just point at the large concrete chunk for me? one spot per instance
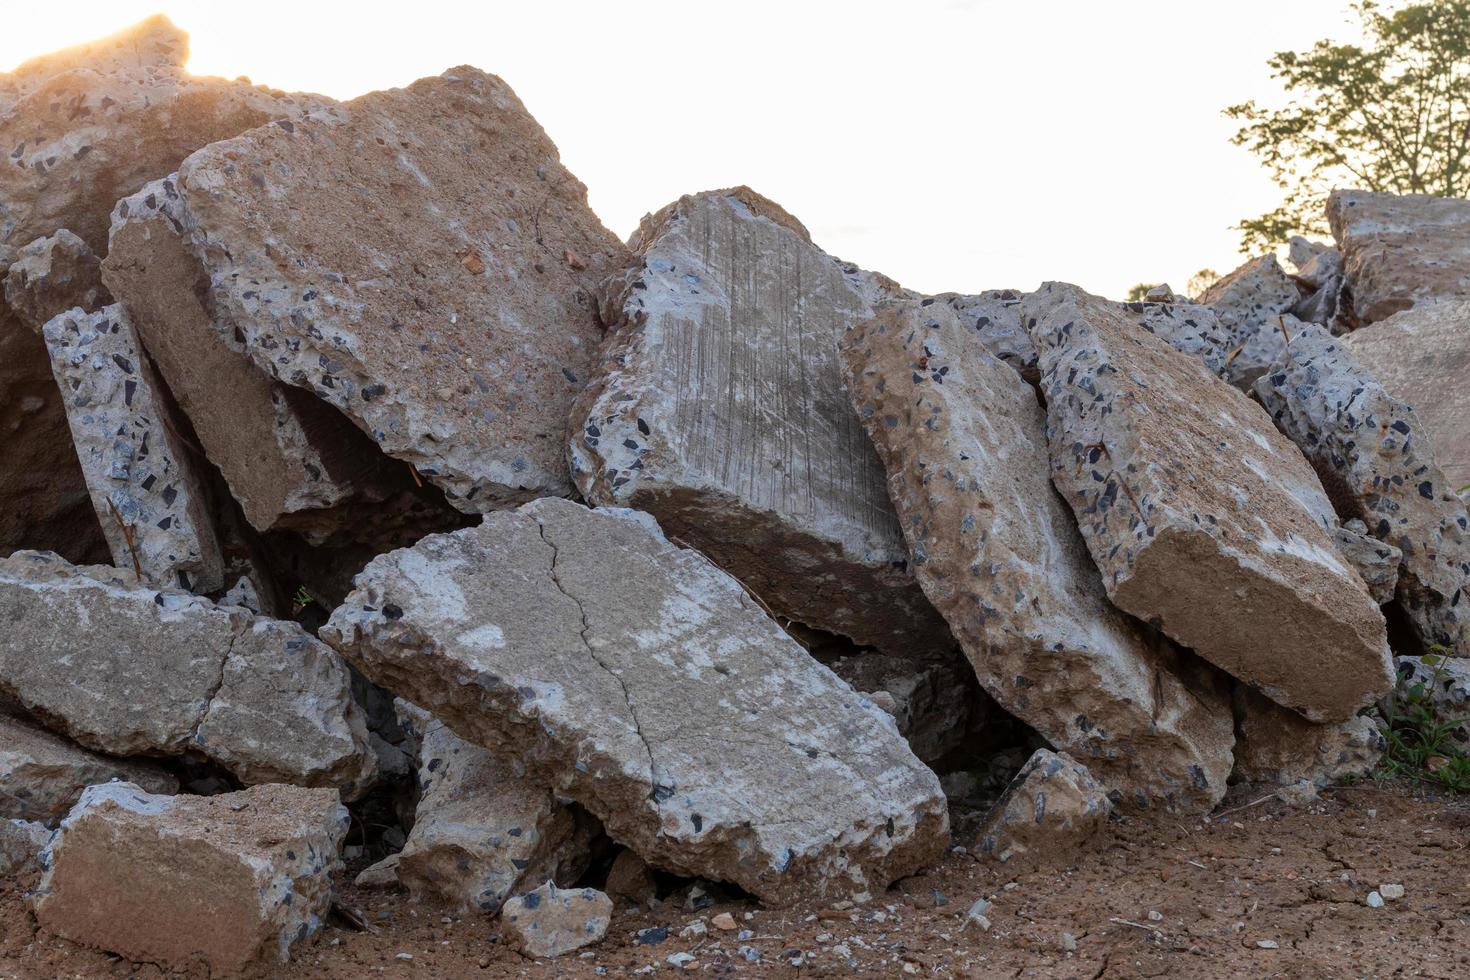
(52, 275)
(1399, 250)
(79, 129)
(1254, 304)
(999, 555)
(224, 884)
(719, 409)
(1422, 357)
(1201, 516)
(131, 671)
(482, 830)
(42, 774)
(996, 316)
(1377, 461)
(1052, 808)
(638, 679)
(1277, 747)
(146, 488)
(420, 259)
(291, 460)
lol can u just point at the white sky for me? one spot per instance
(951, 144)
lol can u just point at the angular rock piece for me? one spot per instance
(1422, 357)
(482, 830)
(1052, 807)
(1189, 328)
(21, 843)
(551, 921)
(1376, 562)
(1377, 461)
(226, 883)
(1201, 516)
(420, 259)
(999, 555)
(1254, 304)
(1276, 747)
(932, 699)
(145, 486)
(630, 879)
(291, 460)
(641, 681)
(1399, 250)
(718, 408)
(52, 275)
(42, 775)
(163, 673)
(996, 316)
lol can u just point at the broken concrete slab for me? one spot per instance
(1276, 747)
(998, 554)
(1376, 562)
(226, 884)
(996, 316)
(718, 408)
(21, 843)
(153, 672)
(551, 921)
(1377, 461)
(1439, 684)
(1254, 304)
(291, 460)
(1421, 356)
(43, 774)
(146, 486)
(639, 680)
(933, 699)
(1201, 516)
(1190, 328)
(52, 275)
(481, 829)
(1052, 808)
(1399, 250)
(420, 259)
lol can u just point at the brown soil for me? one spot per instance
(1296, 877)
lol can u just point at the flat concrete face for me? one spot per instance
(998, 553)
(1422, 357)
(718, 408)
(639, 680)
(420, 259)
(1202, 517)
(1400, 250)
(1379, 459)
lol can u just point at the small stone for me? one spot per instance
(725, 922)
(1267, 944)
(1391, 893)
(979, 915)
(679, 961)
(1069, 942)
(383, 874)
(652, 936)
(403, 956)
(551, 921)
(1155, 916)
(1374, 900)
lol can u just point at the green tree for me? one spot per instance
(1200, 281)
(1139, 290)
(1391, 114)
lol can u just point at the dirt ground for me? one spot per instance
(1265, 891)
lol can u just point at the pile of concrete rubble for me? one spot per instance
(350, 465)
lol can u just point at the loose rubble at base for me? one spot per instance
(579, 579)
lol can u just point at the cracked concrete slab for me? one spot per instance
(638, 679)
(129, 670)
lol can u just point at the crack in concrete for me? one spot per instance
(213, 692)
(586, 627)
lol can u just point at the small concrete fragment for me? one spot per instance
(551, 921)
(1378, 462)
(1422, 357)
(52, 275)
(933, 699)
(1254, 304)
(1277, 747)
(165, 673)
(21, 843)
(420, 259)
(144, 483)
(42, 774)
(1400, 250)
(382, 875)
(718, 408)
(1052, 808)
(481, 829)
(1376, 562)
(630, 880)
(637, 679)
(998, 554)
(226, 884)
(1201, 516)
